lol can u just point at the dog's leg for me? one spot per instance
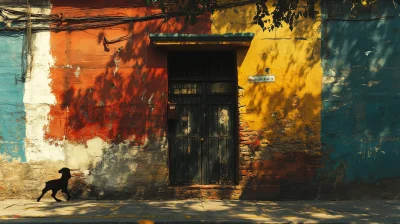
(54, 195)
(67, 193)
(43, 192)
(68, 196)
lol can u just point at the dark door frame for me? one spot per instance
(234, 80)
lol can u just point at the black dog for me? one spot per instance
(59, 184)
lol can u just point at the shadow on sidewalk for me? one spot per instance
(195, 210)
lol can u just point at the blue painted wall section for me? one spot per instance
(361, 90)
(12, 112)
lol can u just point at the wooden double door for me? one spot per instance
(202, 136)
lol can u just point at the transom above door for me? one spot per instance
(202, 136)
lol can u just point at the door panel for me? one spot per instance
(184, 141)
(202, 139)
(220, 135)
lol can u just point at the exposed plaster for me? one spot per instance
(116, 62)
(80, 156)
(77, 71)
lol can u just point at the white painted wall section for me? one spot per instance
(37, 100)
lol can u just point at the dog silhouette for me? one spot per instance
(59, 184)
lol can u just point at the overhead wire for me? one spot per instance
(25, 21)
(60, 23)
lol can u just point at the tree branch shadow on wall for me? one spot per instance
(360, 88)
(287, 152)
(115, 98)
(348, 146)
(280, 121)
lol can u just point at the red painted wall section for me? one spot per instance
(116, 92)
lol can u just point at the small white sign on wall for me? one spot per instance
(262, 78)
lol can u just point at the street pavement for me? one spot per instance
(199, 211)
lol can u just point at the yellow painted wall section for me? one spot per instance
(286, 111)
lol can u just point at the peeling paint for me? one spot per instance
(77, 71)
(368, 52)
(371, 83)
(116, 63)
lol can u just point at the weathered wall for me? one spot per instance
(104, 107)
(27, 161)
(87, 106)
(100, 110)
(279, 136)
(360, 129)
(12, 114)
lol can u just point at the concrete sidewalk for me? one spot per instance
(195, 211)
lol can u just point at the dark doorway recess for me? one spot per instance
(203, 133)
